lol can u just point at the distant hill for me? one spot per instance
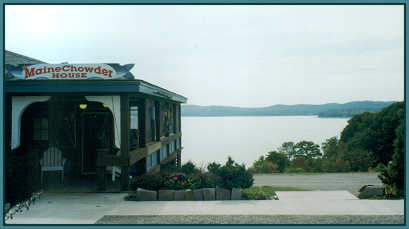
(323, 110)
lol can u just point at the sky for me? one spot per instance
(237, 55)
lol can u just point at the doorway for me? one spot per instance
(96, 134)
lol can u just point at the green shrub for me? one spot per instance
(262, 165)
(178, 181)
(147, 181)
(392, 176)
(189, 168)
(232, 175)
(213, 167)
(256, 193)
(19, 186)
(211, 180)
(279, 159)
(294, 170)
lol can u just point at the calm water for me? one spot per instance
(208, 139)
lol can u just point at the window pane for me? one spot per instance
(134, 117)
(44, 134)
(37, 124)
(44, 123)
(133, 132)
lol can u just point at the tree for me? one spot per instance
(329, 148)
(287, 148)
(368, 138)
(393, 175)
(382, 132)
(307, 149)
(263, 166)
(278, 158)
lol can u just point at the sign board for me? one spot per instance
(68, 71)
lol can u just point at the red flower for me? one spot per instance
(175, 178)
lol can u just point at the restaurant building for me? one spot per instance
(103, 122)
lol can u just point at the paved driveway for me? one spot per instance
(88, 208)
(325, 181)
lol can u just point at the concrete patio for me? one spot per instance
(88, 208)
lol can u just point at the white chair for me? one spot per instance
(52, 161)
(115, 171)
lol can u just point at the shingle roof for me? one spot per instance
(69, 85)
(15, 59)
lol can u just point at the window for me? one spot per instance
(133, 131)
(163, 153)
(177, 121)
(155, 122)
(149, 163)
(172, 118)
(40, 129)
(154, 158)
(172, 147)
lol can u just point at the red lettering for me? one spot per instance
(57, 69)
(110, 73)
(98, 70)
(84, 75)
(89, 69)
(28, 73)
(65, 68)
(56, 75)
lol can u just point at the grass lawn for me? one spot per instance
(273, 188)
(314, 173)
(267, 192)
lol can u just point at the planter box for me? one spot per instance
(166, 195)
(146, 195)
(209, 193)
(198, 194)
(236, 194)
(189, 194)
(180, 195)
(222, 194)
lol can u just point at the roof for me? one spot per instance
(15, 59)
(81, 86)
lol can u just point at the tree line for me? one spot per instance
(370, 141)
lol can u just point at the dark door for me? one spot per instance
(95, 134)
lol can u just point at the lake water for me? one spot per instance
(246, 138)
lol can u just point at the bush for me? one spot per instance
(147, 181)
(392, 176)
(18, 183)
(256, 193)
(279, 159)
(232, 175)
(169, 168)
(263, 165)
(213, 167)
(294, 170)
(189, 168)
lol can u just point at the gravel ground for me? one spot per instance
(325, 181)
(250, 219)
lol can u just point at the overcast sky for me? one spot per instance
(249, 56)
